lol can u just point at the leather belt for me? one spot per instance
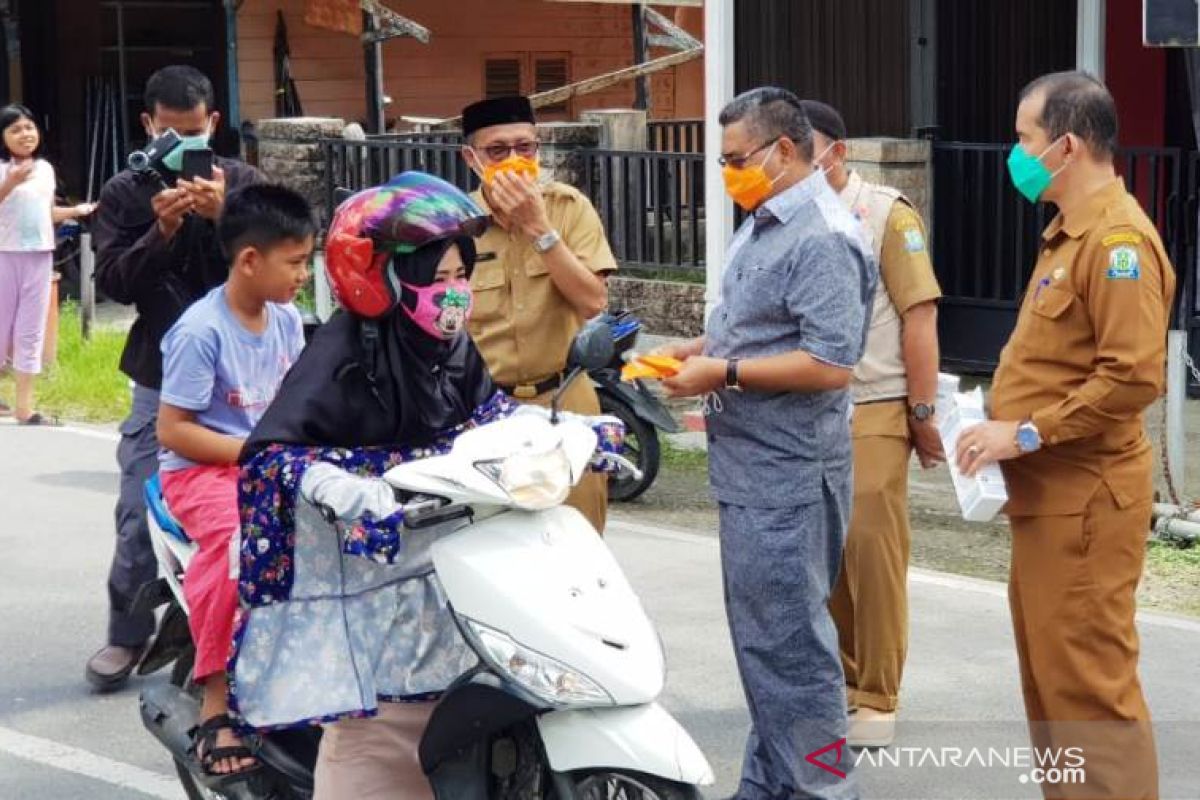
(528, 391)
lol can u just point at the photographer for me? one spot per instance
(157, 250)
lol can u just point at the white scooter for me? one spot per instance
(571, 664)
(562, 704)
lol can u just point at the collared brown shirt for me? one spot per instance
(520, 321)
(1087, 357)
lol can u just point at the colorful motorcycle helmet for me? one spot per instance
(403, 215)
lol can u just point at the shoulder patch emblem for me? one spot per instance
(1123, 264)
(1121, 238)
(914, 242)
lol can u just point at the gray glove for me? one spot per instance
(347, 496)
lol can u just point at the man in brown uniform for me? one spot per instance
(894, 387)
(540, 271)
(1084, 362)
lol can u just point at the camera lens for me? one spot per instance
(138, 161)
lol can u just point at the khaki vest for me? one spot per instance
(880, 373)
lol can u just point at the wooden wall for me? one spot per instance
(437, 79)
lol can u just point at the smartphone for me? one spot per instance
(197, 164)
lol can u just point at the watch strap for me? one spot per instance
(731, 374)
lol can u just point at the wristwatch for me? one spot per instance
(921, 412)
(731, 375)
(546, 242)
(1028, 438)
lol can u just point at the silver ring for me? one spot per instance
(972, 450)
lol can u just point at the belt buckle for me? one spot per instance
(525, 392)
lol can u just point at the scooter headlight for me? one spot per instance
(535, 480)
(548, 679)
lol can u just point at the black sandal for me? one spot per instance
(37, 418)
(204, 748)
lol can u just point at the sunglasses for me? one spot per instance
(739, 162)
(501, 151)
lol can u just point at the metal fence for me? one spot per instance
(652, 207)
(676, 135)
(357, 165)
(651, 204)
(985, 239)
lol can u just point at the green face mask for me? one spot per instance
(1029, 175)
(174, 159)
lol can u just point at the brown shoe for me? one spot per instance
(111, 666)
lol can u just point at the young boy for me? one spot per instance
(222, 364)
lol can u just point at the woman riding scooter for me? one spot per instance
(364, 645)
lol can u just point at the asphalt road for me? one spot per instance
(57, 740)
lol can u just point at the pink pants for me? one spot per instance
(204, 500)
(24, 304)
(375, 758)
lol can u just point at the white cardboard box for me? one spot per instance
(980, 498)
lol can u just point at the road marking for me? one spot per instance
(91, 433)
(81, 762)
(926, 577)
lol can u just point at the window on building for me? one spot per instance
(501, 77)
(528, 73)
(551, 73)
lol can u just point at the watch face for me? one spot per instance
(921, 412)
(1027, 440)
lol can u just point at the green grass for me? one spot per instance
(681, 457)
(85, 384)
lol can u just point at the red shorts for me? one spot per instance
(204, 500)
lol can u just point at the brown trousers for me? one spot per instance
(590, 495)
(869, 603)
(1071, 591)
(374, 758)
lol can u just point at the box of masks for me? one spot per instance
(980, 498)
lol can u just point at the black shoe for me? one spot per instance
(111, 667)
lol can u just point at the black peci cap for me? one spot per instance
(825, 119)
(496, 111)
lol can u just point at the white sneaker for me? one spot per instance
(871, 728)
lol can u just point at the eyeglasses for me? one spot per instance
(500, 151)
(739, 162)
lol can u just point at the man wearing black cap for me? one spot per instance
(894, 386)
(540, 270)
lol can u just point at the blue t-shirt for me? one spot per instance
(222, 372)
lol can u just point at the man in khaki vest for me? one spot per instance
(894, 388)
(540, 271)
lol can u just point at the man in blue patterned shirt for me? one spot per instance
(774, 368)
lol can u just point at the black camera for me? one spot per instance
(149, 160)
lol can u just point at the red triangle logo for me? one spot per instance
(835, 747)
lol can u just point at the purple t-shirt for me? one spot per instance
(222, 372)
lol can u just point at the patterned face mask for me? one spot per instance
(442, 309)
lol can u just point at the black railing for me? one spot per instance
(676, 135)
(357, 165)
(652, 207)
(986, 237)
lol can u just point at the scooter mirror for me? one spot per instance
(593, 345)
(592, 348)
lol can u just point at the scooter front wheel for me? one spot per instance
(615, 785)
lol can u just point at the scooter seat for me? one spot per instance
(157, 505)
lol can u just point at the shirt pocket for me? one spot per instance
(1049, 320)
(535, 266)
(488, 293)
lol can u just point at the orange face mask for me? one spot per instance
(514, 163)
(749, 186)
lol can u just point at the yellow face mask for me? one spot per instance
(514, 163)
(749, 186)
